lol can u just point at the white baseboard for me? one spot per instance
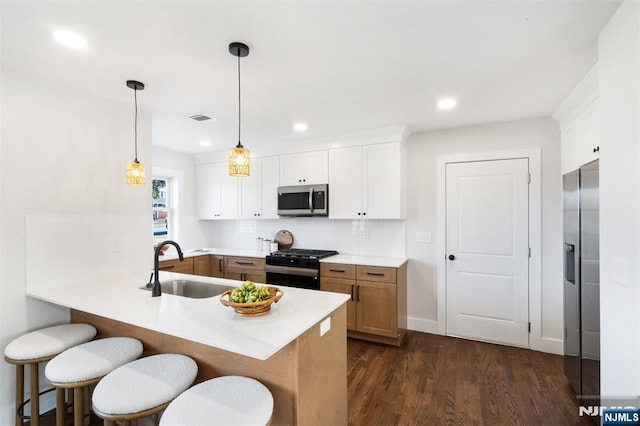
(421, 324)
(541, 344)
(547, 344)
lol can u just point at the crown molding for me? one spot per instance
(585, 92)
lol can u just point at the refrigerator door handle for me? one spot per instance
(570, 263)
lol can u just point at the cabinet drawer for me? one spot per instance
(338, 270)
(376, 273)
(184, 267)
(244, 262)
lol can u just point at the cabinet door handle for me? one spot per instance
(357, 293)
(596, 149)
(243, 263)
(375, 274)
(220, 265)
(338, 270)
(164, 268)
(352, 292)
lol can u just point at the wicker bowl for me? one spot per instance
(252, 309)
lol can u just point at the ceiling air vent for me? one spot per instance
(200, 117)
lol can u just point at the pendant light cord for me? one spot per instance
(135, 122)
(239, 101)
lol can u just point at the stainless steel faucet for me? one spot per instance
(156, 290)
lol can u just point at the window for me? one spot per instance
(161, 208)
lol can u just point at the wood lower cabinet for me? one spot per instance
(201, 265)
(377, 310)
(341, 285)
(216, 266)
(175, 265)
(245, 268)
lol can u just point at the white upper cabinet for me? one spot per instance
(304, 168)
(258, 191)
(384, 174)
(345, 183)
(217, 192)
(589, 130)
(578, 119)
(367, 182)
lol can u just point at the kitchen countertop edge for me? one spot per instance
(388, 262)
(191, 319)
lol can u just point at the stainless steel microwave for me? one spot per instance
(303, 200)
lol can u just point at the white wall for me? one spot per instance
(619, 106)
(190, 234)
(63, 153)
(422, 152)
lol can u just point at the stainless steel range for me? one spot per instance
(296, 267)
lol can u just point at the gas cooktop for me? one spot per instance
(304, 253)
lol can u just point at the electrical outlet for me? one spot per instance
(325, 326)
(423, 237)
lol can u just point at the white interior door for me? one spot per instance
(487, 242)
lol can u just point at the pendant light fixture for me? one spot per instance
(239, 156)
(135, 169)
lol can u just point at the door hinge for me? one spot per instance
(529, 327)
(529, 177)
(529, 251)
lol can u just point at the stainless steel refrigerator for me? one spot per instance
(582, 282)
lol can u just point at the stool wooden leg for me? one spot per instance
(87, 405)
(109, 423)
(35, 397)
(61, 408)
(78, 406)
(19, 391)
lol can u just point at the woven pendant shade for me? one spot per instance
(239, 156)
(239, 161)
(135, 173)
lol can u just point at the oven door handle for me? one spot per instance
(305, 272)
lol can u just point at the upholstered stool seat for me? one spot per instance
(86, 364)
(143, 387)
(40, 346)
(227, 400)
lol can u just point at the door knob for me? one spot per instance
(452, 257)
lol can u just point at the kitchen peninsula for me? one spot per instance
(297, 350)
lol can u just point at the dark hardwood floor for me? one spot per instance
(437, 380)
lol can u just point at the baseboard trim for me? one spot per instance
(421, 324)
(548, 345)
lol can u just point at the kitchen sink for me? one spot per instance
(192, 289)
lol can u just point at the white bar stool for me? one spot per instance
(227, 400)
(142, 387)
(86, 364)
(36, 347)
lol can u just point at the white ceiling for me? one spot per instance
(340, 66)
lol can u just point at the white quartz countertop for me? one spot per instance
(172, 254)
(390, 262)
(204, 321)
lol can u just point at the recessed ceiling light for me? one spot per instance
(300, 127)
(70, 39)
(446, 103)
(205, 143)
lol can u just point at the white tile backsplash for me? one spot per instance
(357, 237)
